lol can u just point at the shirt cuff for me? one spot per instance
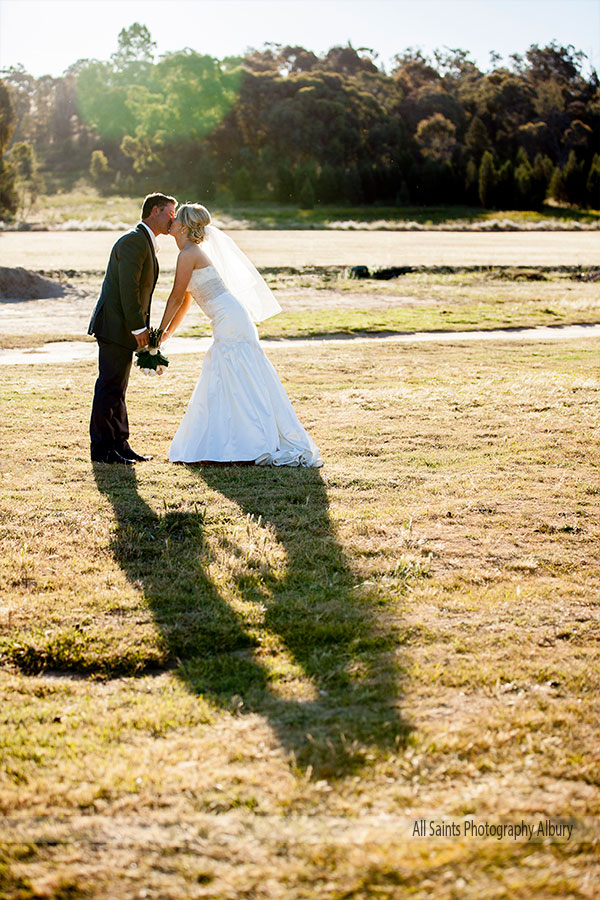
(139, 331)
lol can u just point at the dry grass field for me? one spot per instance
(229, 682)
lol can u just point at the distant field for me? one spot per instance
(520, 282)
(89, 250)
(85, 208)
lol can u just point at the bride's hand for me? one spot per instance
(164, 337)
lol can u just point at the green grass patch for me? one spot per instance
(384, 321)
(424, 301)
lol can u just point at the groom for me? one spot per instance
(120, 323)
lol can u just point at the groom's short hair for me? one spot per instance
(152, 200)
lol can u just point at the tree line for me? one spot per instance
(286, 125)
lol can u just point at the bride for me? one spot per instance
(239, 410)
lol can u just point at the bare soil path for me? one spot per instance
(89, 250)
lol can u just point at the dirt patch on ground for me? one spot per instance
(32, 302)
(21, 284)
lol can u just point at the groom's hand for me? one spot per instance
(142, 339)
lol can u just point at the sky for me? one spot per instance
(46, 36)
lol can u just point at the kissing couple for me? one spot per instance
(239, 410)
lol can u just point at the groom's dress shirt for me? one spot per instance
(152, 237)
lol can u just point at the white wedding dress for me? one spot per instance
(239, 410)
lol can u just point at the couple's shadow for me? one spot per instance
(297, 642)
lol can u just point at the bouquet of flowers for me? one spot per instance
(151, 361)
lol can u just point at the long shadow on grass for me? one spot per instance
(164, 555)
(328, 630)
(302, 630)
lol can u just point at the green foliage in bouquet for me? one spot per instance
(151, 361)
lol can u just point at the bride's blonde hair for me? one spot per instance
(193, 217)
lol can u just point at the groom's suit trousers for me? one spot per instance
(109, 425)
(123, 307)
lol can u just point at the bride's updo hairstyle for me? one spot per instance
(193, 217)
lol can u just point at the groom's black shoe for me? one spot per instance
(129, 454)
(111, 456)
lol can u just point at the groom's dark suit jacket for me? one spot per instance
(124, 302)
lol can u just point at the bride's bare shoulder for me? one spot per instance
(194, 256)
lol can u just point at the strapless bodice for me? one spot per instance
(205, 284)
(230, 321)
